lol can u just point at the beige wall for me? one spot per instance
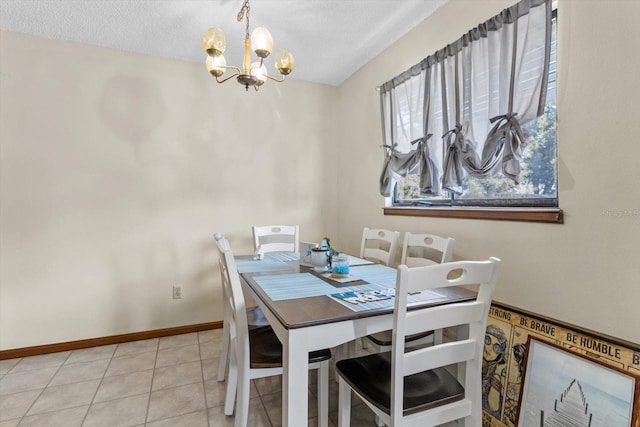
(116, 169)
(586, 271)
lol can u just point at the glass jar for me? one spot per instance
(340, 265)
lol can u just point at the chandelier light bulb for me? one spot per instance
(214, 41)
(285, 62)
(259, 72)
(216, 64)
(262, 42)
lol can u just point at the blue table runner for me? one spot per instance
(291, 286)
(375, 273)
(280, 287)
(263, 265)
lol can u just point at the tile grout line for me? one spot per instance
(264, 408)
(99, 384)
(43, 388)
(1, 396)
(202, 345)
(175, 386)
(153, 377)
(204, 388)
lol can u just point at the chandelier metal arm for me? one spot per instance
(235, 73)
(275, 79)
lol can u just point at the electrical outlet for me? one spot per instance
(177, 292)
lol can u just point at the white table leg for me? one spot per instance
(323, 394)
(344, 403)
(295, 379)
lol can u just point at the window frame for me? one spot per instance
(530, 209)
(545, 215)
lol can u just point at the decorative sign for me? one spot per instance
(508, 331)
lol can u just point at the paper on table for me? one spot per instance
(355, 297)
(370, 303)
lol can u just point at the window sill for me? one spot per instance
(548, 215)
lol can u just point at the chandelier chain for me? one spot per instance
(244, 11)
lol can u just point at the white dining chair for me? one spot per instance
(257, 353)
(255, 316)
(276, 238)
(426, 249)
(379, 245)
(418, 250)
(414, 388)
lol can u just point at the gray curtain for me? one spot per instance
(473, 96)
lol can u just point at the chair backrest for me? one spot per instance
(379, 245)
(221, 242)
(468, 316)
(235, 308)
(276, 238)
(426, 249)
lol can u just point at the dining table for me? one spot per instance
(311, 310)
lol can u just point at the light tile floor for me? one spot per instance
(162, 382)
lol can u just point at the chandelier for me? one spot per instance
(252, 73)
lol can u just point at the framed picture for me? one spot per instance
(564, 388)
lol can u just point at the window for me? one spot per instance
(538, 185)
(470, 128)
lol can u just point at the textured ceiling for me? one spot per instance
(330, 39)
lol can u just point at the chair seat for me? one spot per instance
(383, 339)
(266, 349)
(370, 376)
